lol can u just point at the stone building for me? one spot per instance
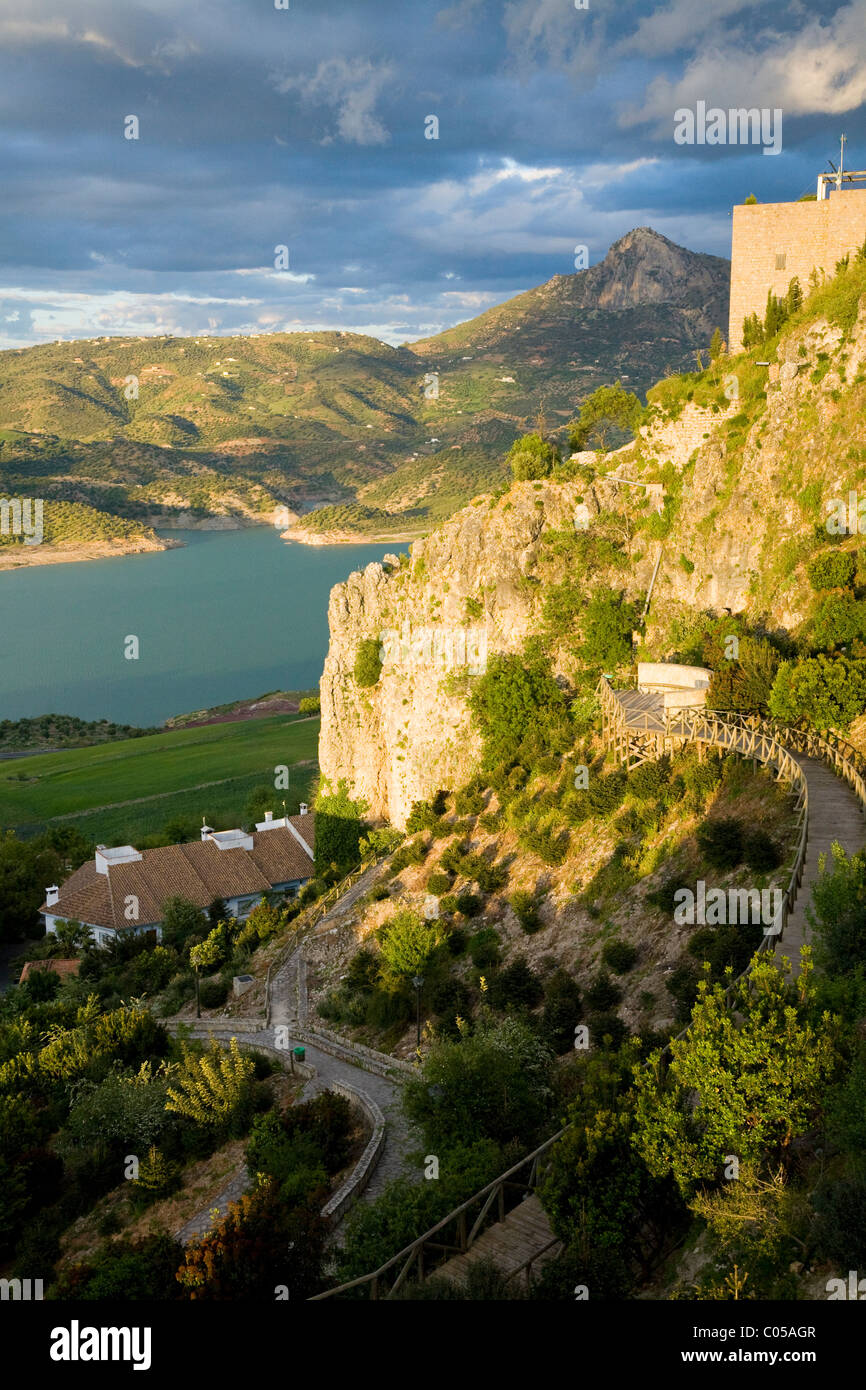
(773, 242)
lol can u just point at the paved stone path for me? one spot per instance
(393, 1160)
(834, 815)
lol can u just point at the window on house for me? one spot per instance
(781, 257)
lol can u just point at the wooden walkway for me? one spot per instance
(830, 787)
(834, 816)
(520, 1244)
(643, 712)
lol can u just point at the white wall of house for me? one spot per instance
(103, 936)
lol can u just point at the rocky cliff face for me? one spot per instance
(754, 477)
(400, 740)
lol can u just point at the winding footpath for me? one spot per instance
(345, 1063)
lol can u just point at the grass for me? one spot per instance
(166, 765)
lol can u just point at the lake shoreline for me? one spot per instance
(26, 557)
(302, 537)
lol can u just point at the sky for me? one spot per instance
(306, 128)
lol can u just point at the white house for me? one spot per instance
(125, 890)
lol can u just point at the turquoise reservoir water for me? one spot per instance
(230, 615)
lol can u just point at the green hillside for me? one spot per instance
(169, 431)
(134, 787)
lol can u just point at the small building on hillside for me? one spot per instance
(124, 890)
(774, 243)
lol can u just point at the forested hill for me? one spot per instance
(179, 430)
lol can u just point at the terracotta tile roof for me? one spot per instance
(58, 967)
(199, 872)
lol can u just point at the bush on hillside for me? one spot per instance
(368, 662)
(650, 779)
(760, 851)
(516, 985)
(562, 1011)
(619, 955)
(828, 692)
(610, 620)
(606, 1031)
(721, 842)
(603, 993)
(484, 948)
(525, 907)
(514, 700)
(832, 569)
(531, 458)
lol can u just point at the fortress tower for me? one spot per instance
(773, 242)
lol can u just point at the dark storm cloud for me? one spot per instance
(304, 127)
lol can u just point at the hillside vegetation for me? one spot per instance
(179, 431)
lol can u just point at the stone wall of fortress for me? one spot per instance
(773, 242)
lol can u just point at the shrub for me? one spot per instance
(326, 1121)
(832, 569)
(491, 877)
(469, 904)
(448, 903)
(469, 801)
(516, 984)
(726, 946)
(605, 415)
(838, 619)
(608, 627)
(452, 856)
(606, 1030)
(650, 779)
(619, 955)
(840, 1227)
(438, 883)
(721, 842)
(827, 691)
(525, 907)
(702, 779)
(368, 662)
(603, 993)
(838, 913)
(421, 817)
(494, 1084)
(338, 833)
(310, 704)
(760, 851)
(549, 844)
(531, 457)
(213, 993)
(606, 794)
(408, 941)
(515, 699)
(363, 971)
(562, 1011)
(450, 997)
(484, 949)
(682, 986)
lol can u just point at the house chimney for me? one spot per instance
(269, 815)
(303, 810)
(206, 830)
(52, 895)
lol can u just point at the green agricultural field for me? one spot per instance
(132, 788)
